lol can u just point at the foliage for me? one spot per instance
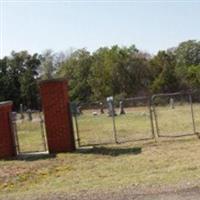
(18, 78)
(187, 54)
(164, 76)
(193, 76)
(77, 70)
(115, 71)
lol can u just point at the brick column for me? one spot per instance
(58, 123)
(7, 144)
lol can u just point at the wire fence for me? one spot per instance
(93, 125)
(174, 114)
(112, 121)
(139, 118)
(29, 132)
(134, 119)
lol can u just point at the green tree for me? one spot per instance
(187, 54)
(76, 69)
(163, 73)
(28, 81)
(19, 78)
(5, 89)
(193, 76)
(118, 71)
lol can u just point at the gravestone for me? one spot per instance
(21, 111)
(171, 101)
(111, 109)
(101, 108)
(29, 114)
(121, 108)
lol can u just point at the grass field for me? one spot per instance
(103, 168)
(135, 164)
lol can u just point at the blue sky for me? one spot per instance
(60, 25)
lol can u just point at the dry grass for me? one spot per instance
(113, 166)
(138, 164)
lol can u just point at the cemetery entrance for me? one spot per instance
(24, 132)
(29, 132)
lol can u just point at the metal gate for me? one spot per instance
(92, 124)
(138, 118)
(134, 119)
(101, 123)
(174, 115)
(29, 132)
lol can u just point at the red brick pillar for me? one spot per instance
(7, 144)
(58, 123)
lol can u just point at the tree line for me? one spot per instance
(116, 71)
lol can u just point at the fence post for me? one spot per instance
(42, 132)
(13, 122)
(74, 111)
(157, 133)
(151, 119)
(77, 130)
(114, 124)
(192, 113)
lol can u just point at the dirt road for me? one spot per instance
(124, 194)
(185, 194)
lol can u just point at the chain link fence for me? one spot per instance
(174, 114)
(134, 119)
(113, 121)
(138, 118)
(29, 132)
(196, 110)
(92, 124)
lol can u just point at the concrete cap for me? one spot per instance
(53, 80)
(4, 103)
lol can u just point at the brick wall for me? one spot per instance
(7, 146)
(55, 104)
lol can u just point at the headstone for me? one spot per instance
(21, 111)
(172, 103)
(29, 114)
(111, 110)
(101, 108)
(94, 113)
(79, 110)
(121, 108)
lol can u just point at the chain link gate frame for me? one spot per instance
(157, 119)
(85, 120)
(18, 143)
(78, 110)
(137, 109)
